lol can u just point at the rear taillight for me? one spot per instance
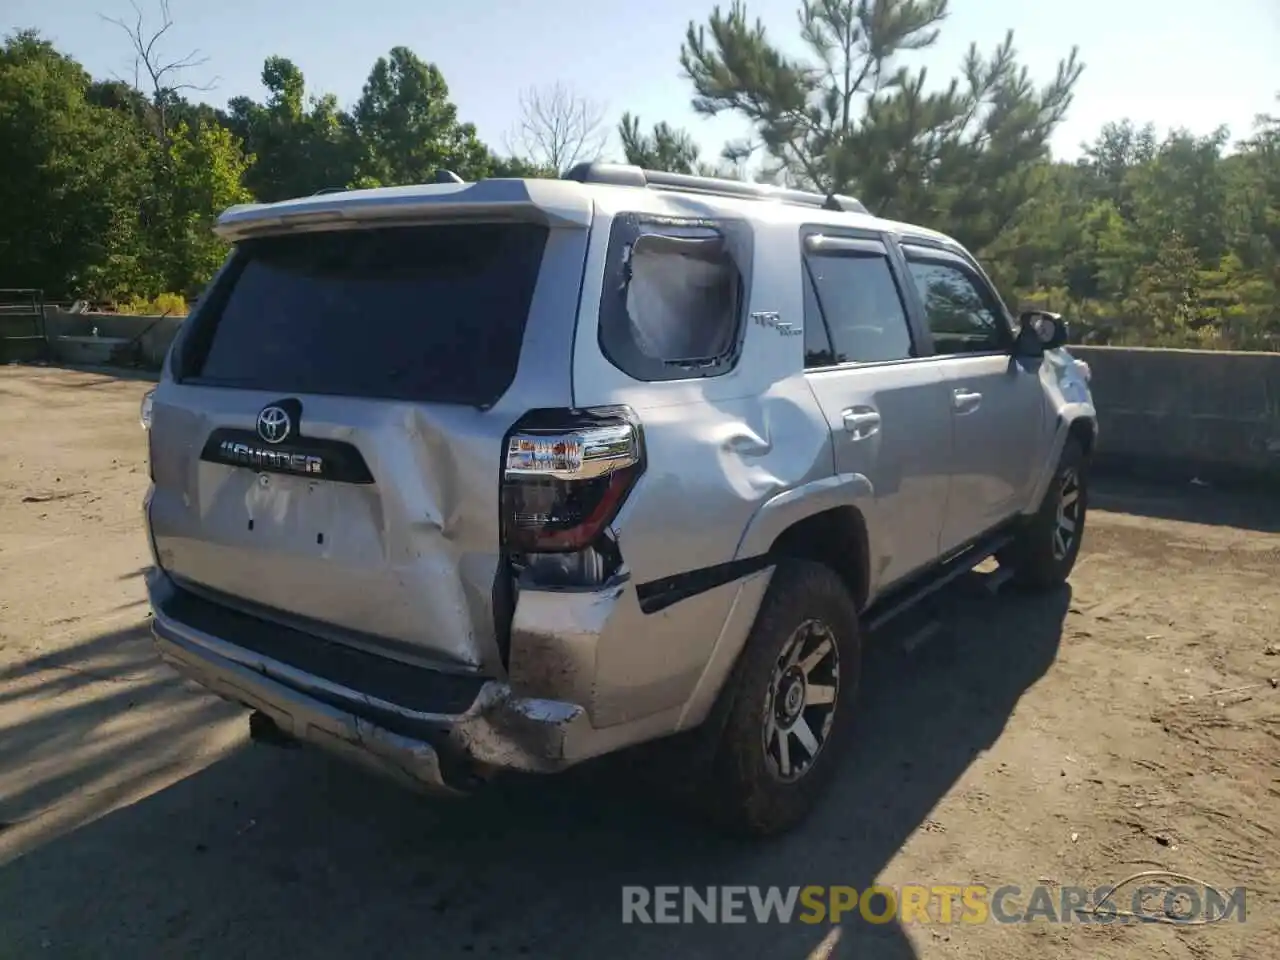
(565, 477)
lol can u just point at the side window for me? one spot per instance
(817, 342)
(865, 317)
(673, 298)
(962, 318)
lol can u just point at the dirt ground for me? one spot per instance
(1128, 723)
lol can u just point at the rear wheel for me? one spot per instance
(1048, 544)
(792, 697)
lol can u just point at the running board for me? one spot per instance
(903, 598)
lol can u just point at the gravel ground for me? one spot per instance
(1128, 722)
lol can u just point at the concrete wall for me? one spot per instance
(1179, 414)
(152, 335)
(1176, 414)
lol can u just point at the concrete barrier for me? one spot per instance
(1173, 414)
(1184, 414)
(147, 338)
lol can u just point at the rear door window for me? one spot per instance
(859, 299)
(429, 313)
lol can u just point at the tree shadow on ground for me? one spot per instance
(108, 374)
(1244, 507)
(270, 853)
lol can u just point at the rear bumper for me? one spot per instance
(437, 750)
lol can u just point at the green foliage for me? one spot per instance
(300, 146)
(520, 167)
(164, 305)
(666, 148)
(109, 191)
(71, 176)
(200, 175)
(850, 118)
(408, 128)
(1166, 244)
(674, 150)
(1171, 243)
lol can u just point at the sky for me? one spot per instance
(1176, 63)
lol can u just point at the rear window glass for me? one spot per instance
(413, 313)
(672, 303)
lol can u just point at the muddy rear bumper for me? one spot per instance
(444, 750)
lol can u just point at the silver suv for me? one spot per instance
(464, 477)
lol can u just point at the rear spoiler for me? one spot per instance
(554, 202)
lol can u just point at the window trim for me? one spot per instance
(855, 241)
(926, 250)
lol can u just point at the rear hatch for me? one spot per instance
(327, 441)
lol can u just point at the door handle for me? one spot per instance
(861, 422)
(965, 400)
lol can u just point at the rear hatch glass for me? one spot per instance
(422, 314)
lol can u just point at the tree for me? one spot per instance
(301, 145)
(847, 119)
(206, 168)
(666, 148)
(409, 128)
(72, 177)
(161, 77)
(558, 128)
(673, 150)
(1109, 160)
(519, 167)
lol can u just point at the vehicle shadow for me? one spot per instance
(270, 852)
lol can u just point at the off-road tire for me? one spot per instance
(1036, 556)
(742, 792)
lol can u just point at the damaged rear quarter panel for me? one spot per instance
(717, 449)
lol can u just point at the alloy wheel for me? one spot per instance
(1067, 525)
(801, 702)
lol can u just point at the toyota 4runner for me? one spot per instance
(464, 477)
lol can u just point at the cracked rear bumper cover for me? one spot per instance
(436, 752)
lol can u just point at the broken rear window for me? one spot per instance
(673, 297)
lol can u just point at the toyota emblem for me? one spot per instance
(274, 424)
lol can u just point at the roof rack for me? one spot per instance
(629, 175)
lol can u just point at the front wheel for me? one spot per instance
(1046, 548)
(793, 693)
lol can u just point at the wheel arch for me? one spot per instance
(836, 538)
(822, 521)
(1083, 429)
(1078, 422)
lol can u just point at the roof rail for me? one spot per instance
(629, 175)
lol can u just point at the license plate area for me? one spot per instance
(290, 514)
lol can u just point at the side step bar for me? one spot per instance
(910, 594)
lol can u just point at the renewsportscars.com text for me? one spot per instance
(937, 903)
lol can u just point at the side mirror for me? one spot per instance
(1040, 331)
